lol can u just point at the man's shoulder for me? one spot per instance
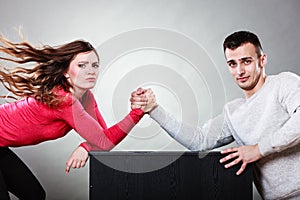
(286, 76)
(286, 80)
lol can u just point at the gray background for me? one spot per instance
(183, 63)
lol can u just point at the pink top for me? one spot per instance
(29, 122)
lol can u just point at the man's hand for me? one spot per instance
(77, 159)
(246, 154)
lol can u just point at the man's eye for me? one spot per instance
(247, 62)
(82, 65)
(231, 64)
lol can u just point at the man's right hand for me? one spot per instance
(144, 99)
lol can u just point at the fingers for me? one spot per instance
(138, 92)
(138, 102)
(74, 164)
(243, 167)
(150, 96)
(143, 98)
(77, 159)
(239, 154)
(135, 107)
(151, 101)
(236, 161)
(68, 167)
(78, 164)
(229, 150)
(138, 98)
(229, 157)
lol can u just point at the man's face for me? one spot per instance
(246, 67)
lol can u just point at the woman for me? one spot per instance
(54, 97)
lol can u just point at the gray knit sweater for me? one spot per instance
(269, 118)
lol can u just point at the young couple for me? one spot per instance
(54, 97)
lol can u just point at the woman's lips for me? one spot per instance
(91, 79)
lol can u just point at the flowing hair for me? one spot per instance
(48, 73)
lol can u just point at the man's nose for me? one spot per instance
(240, 69)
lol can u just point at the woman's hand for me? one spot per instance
(138, 98)
(77, 159)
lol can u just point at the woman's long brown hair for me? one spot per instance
(51, 63)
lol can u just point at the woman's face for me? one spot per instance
(83, 71)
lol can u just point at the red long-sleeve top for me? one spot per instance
(29, 122)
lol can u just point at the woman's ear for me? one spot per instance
(67, 75)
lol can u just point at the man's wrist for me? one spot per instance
(154, 107)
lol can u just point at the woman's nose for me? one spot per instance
(91, 70)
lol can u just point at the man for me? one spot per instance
(265, 124)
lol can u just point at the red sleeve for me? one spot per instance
(116, 133)
(89, 126)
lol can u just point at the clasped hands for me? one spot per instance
(144, 99)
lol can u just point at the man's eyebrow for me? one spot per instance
(230, 61)
(246, 58)
(240, 59)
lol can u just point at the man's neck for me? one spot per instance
(260, 83)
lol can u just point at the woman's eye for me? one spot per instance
(82, 65)
(95, 65)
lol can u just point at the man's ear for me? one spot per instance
(263, 60)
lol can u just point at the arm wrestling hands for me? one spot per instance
(142, 98)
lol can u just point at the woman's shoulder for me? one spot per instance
(67, 98)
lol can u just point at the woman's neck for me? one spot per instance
(78, 93)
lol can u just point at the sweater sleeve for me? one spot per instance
(92, 128)
(289, 134)
(212, 134)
